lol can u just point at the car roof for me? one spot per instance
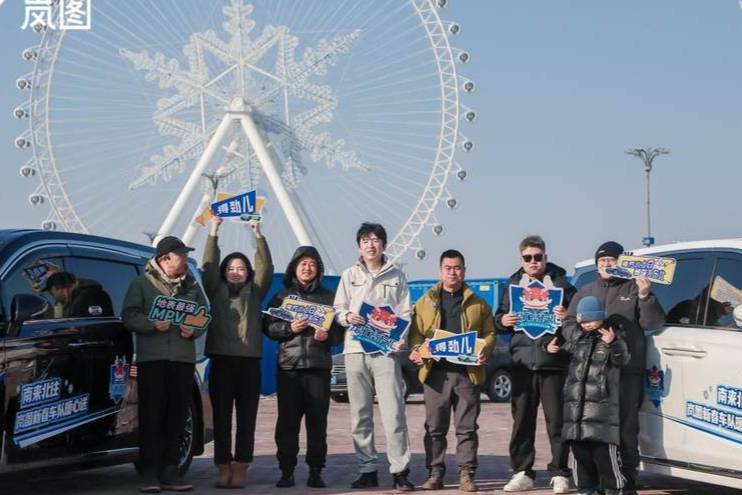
(13, 239)
(714, 244)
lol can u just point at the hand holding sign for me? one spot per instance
(320, 335)
(509, 319)
(186, 332)
(299, 325)
(560, 312)
(643, 284)
(215, 223)
(415, 355)
(161, 326)
(355, 319)
(255, 226)
(553, 346)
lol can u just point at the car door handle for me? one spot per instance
(683, 351)
(88, 345)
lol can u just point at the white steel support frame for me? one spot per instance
(238, 112)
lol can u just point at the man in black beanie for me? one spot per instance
(631, 309)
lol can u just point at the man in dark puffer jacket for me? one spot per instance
(591, 404)
(536, 375)
(304, 364)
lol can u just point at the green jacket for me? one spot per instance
(236, 327)
(152, 345)
(476, 314)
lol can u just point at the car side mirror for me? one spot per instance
(25, 307)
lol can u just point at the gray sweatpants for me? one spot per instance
(375, 373)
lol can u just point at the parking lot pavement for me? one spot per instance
(495, 423)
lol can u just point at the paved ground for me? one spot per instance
(495, 423)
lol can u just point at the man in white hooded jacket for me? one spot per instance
(376, 281)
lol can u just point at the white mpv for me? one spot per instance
(691, 417)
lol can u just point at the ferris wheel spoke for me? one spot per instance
(367, 198)
(395, 69)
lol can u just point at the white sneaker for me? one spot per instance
(520, 482)
(560, 484)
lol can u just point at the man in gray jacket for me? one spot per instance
(165, 357)
(631, 308)
(374, 280)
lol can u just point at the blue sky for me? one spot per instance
(563, 88)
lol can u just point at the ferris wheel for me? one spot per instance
(336, 112)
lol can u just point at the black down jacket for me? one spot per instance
(591, 392)
(301, 351)
(525, 351)
(627, 314)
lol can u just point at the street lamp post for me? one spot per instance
(647, 156)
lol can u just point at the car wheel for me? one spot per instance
(187, 442)
(185, 456)
(500, 386)
(342, 398)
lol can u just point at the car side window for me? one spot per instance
(103, 279)
(29, 276)
(725, 293)
(684, 300)
(585, 278)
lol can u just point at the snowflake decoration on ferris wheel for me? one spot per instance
(265, 89)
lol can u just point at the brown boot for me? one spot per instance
(239, 475)
(434, 482)
(466, 482)
(225, 476)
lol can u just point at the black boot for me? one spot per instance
(401, 483)
(287, 479)
(366, 480)
(315, 479)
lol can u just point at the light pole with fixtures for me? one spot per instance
(647, 156)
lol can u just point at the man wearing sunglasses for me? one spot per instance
(537, 376)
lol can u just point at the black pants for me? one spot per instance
(445, 389)
(597, 465)
(164, 389)
(632, 395)
(528, 389)
(302, 393)
(234, 383)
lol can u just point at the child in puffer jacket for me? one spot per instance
(591, 400)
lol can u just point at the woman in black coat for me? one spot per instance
(304, 364)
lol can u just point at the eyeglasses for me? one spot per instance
(538, 258)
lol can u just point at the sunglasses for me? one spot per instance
(535, 257)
